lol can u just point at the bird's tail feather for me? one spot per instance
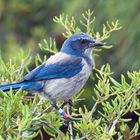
(14, 86)
(25, 85)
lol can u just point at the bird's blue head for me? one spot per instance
(77, 44)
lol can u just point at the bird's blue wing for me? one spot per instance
(64, 68)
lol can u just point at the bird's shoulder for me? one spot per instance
(60, 58)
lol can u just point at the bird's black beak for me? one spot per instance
(95, 44)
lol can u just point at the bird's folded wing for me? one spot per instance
(64, 68)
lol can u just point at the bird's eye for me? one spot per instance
(82, 41)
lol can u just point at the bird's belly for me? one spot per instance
(65, 88)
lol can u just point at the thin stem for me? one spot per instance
(85, 137)
(41, 135)
(93, 109)
(133, 137)
(44, 111)
(117, 118)
(70, 124)
(34, 112)
(42, 100)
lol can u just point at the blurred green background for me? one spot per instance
(23, 23)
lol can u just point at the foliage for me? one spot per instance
(71, 27)
(24, 116)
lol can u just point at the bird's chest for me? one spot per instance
(65, 88)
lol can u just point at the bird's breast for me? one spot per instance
(65, 88)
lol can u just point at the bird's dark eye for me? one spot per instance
(82, 41)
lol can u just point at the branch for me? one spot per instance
(93, 109)
(117, 118)
(70, 124)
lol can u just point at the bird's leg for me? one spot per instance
(67, 102)
(61, 112)
(63, 104)
(70, 102)
(69, 106)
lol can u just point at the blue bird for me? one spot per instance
(63, 74)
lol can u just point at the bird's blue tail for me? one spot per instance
(25, 85)
(14, 86)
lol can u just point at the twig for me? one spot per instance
(41, 135)
(25, 133)
(117, 118)
(92, 110)
(133, 137)
(85, 137)
(70, 124)
(44, 111)
(42, 100)
(21, 67)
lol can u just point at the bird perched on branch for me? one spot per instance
(63, 74)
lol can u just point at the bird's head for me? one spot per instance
(77, 44)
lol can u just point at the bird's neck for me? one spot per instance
(71, 52)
